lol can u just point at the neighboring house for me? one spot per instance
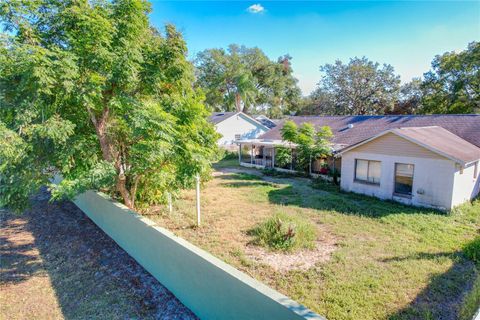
(236, 126)
(429, 160)
(425, 166)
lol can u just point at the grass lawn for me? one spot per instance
(374, 259)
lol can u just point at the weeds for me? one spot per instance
(285, 232)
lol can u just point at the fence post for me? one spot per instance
(169, 197)
(198, 198)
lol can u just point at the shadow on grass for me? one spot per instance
(239, 176)
(452, 295)
(92, 277)
(240, 184)
(343, 202)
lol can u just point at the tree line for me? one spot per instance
(93, 92)
(242, 78)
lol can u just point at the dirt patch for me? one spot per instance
(300, 260)
(57, 264)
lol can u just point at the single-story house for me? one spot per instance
(430, 160)
(235, 126)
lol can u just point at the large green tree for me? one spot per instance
(91, 91)
(453, 84)
(359, 87)
(242, 78)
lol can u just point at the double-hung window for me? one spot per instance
(367, 171)
(403, 178)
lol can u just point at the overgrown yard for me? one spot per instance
(371, 259)
(57, 264)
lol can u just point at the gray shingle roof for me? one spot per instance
(217, 117)
(466, 126)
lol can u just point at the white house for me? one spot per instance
(423, 166)
(236, 126)
(430, 160)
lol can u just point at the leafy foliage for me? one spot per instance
(310, 142)
(359, 87)
(90, 90)
(242, 78)
(453, 86)
(285, 232)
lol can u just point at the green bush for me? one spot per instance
(285, 232)
(224, 154)
(472, 251)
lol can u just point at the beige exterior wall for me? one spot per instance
(437, 181)
(433, 179)
(466, 184)
(393, 145)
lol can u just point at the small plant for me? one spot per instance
(285, 232)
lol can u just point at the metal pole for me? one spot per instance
(198, 199)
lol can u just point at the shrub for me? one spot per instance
(285, 232)
(472, 251)
(224, 154)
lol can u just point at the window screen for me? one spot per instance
(403, 178)
(368, 171)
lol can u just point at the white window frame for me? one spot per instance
(355, 179)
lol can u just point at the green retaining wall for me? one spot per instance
(211, 288)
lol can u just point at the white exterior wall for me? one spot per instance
(434, 176)
(465, 186)
(238, 124)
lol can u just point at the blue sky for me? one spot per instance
(406, 35)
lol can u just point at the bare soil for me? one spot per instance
(57, 264)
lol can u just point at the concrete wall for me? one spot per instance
(211, 288)
(435, 177)
(466, 184)
(239, 124)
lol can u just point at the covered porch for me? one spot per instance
(282, 156)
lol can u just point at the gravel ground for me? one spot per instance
(57, 264)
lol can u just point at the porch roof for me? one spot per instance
(280, 143)
(266, 142)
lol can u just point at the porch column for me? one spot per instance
(251, 154)
(291, 158)
(273, 157)
(310, 166)
(264, 157)
(239, 153)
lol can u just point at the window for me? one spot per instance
(403, 178)
(238, 136)
(367, 171)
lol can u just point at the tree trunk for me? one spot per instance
(122, 189)
(109, 155)
(238, 102)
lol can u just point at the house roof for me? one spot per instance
(218, 117)
(349, 130)
(265, 121)
(435, 139)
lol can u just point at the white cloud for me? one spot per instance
(256, 8)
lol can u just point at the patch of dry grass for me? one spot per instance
(390, 260)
